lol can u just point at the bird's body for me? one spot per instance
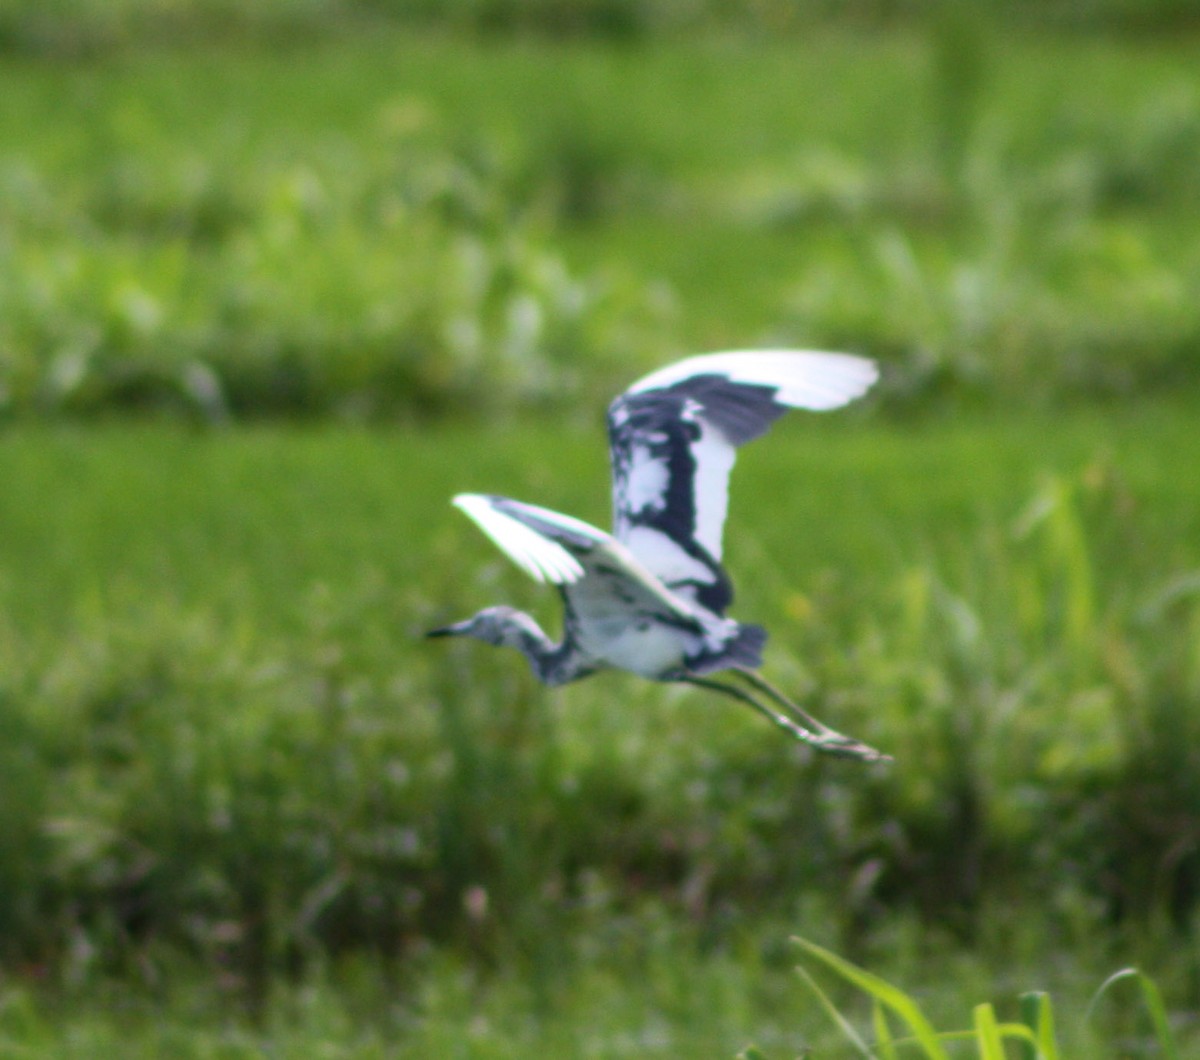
(651, 597)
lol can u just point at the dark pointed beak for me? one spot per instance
(448, 631)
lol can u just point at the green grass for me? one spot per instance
(1034, 1034)
(73, 28)
(688, 1001)
(341, 276)
(226, 743)
(386, 234)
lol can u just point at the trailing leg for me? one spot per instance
(826, 738)
(823, 739)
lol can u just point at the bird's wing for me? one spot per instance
(674, 435)
(594, 570)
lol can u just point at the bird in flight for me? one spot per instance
(651, 597)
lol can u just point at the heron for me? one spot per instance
(651, 597)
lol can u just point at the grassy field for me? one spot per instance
(266, 305)
(393, 235)
(229, 743)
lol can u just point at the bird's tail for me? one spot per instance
(743, 649)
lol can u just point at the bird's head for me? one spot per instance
(502, 626)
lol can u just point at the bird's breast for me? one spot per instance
(644, 647)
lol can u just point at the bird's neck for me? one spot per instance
(552, 663)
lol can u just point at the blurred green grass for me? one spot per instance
(227, 744)
(373, 228)
(88, 27)
(246, 809)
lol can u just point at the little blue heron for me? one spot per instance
(651, 597)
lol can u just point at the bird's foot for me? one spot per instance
(834, 743)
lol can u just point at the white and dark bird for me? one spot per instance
(651, 597)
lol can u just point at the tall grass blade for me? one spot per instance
(1038, 1015)
(885, 993)
(843, 1024)
(1154, 1005)
(987, 1033)
(884, 1045)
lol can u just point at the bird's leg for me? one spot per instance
(794, 709)
(736, 693)
(823, 736)
(824, 739)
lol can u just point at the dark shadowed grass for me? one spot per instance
(71, 28)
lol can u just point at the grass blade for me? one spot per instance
(884, 1045)
(1038, 1015)
(1154, 1004)
(987, 1033)
(843, 1024)
(883, 992)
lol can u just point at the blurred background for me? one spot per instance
(278, 278)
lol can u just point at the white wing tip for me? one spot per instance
(539, 557)
(471, 503)
(811, 379)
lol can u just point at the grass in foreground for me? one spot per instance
(1033, 1036)
(687, 998)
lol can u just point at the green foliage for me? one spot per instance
(75, 27)
(224, 739)
(225, 756)
(350, 286)
(369, 229)
(1152, 997)
(1033, 1036)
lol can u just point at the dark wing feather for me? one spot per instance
(658, 444)
(674, 435)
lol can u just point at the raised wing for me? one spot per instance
(595, 571)
(533, 538)
(674, 436)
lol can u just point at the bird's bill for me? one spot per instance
(455, 630)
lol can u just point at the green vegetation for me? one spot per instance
(226, 741)
(268, 301)
(1034, 1033)
(86, 27)
(390, 235)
